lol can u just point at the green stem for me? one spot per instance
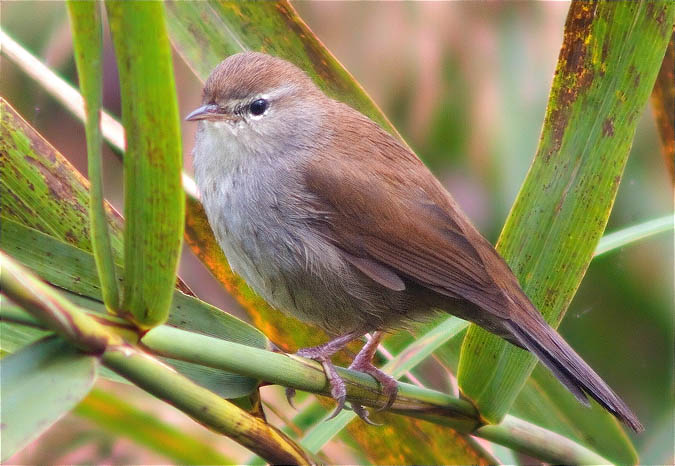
(626, 236)
(204, 406)
(53, 311)
(304, 374)
(85, 18)
(308, 375)
(538, 442)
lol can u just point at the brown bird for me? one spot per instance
(334, 221)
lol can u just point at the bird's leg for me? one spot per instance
(363, 362)
(322, 354)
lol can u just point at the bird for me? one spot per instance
(336, 222)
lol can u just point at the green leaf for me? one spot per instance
(74, 270)
(41, 189)
(40, 384)
(154, 203)
(121, 418)
(85, 19)
(610, 56)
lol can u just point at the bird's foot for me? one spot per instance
(388, 384)
(362, 363)
(322, 354)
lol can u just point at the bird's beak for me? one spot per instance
(206, 112)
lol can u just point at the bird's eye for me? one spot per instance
(258, 107)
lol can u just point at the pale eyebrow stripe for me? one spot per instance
(275, 93)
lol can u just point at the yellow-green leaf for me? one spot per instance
(610, 57)
(40, 384)
(85, 19)
(154, 203)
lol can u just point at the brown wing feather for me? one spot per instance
(384, 205)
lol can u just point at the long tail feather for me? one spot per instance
(570, 369)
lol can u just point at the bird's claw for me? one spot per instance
(290, 394)
(362, 412)
(338, 390)
(388, 384)
(340, 406)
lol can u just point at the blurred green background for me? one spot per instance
(466, 84)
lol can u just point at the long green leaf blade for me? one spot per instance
(41, 189)
(154, 203)
(40, 384)
(608, 63)
(121, 418)
(85, 19)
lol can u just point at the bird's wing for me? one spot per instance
(393, 219)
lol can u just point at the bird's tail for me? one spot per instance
(538, 337)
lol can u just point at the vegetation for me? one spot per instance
(89, 294)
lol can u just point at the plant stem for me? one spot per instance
(629, 235)
(204, 406)
(85, 18)
(538, 442)
(53, 311)
(305, 374)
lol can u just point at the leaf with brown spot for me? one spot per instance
(154, 203)
(565, 201)
(663, 103)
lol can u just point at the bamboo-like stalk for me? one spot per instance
(305, 374)
(154, 204)
(85, 18)
(204, 406)
(538, 442)
(53, 311)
